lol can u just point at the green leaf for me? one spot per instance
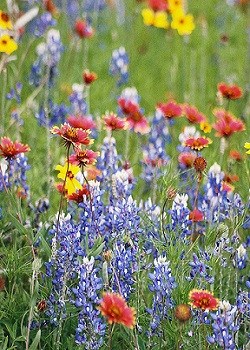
(5, 344)
(36, 341)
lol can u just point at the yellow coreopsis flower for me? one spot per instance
(157, 19)
(183, 23)
(247, 146)
(206, 127)
(67, 173)
(7, 44)
(5, 22)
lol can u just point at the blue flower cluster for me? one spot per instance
(118, 65)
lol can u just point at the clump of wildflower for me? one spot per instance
(203, 299)
(115, 309)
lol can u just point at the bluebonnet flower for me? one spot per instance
(91, 327)
(94, 5)
(215, 205)
(118, 65)
(154, 153)
(78, 100)
(180, 223)
(240, 259)
(200, 270)
(15, 93)
(162, 285)
(124, 265)
(42, 23)
(13, 174)
(57, 114)
(225, 325)
(49, 54)
(63, 267)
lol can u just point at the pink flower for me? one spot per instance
(81, 122)
(112, 122)
(193, 115)
(10, 149)
(83, 29)
(226, 123)
(170, 109)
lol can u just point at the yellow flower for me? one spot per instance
(67, 173)
(206, 127)
(183, 23)
(5, 22)
(7, 44)
(157, 19)
(247, 146)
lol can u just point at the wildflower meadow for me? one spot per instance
(124, 174)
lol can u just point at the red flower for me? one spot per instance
(170, 109)
(226, 124)
(196, 215)
(193, 115)
(81, 122)
(231, 92)
(186, 159)
(9, 149)
(158, 5)
(115, 309)
(50, 6)
(71, 135)
(138, 123)
(197, 143)
(235, 155)
(78, 195)
(83, 157)
(112, 122)
(203, 299)
(128, 107)
(89, 77)
(83, 29)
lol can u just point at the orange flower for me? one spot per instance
(9, 149)
(231, 92)
(115, 309)
(197, 143)
(196, 215)
(203, 299)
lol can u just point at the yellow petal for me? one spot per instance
(247, 145)
(161, 20)
(7, 44)
(148, 16)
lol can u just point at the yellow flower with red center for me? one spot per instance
(67, 173)
(5, 22)
(114, 307)
(183, 23)
(203, 299)
(157, 19)
(247, 146)
(7, 44)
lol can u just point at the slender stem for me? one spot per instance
(4, 84)
(31, 312)
(111, 330)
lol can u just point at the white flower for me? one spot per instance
(241, 251)
(161, 260)
(88, 263)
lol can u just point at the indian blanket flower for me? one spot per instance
(230, 92)
(226, 123)
(5, 22)
(10, 149)
(79, 195)
(170, 110)
(81, 122)
(113, 122)
(247, 146)
(196, 215)
(89, 77)
(83, 157)
(183, 23)
(72, 136)
(68, 173)
(193, 115)
(198, 143)
(186, 159)
(157, 19)
(7, 44)
(203, 299)
(83, 29)
(114, 307)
